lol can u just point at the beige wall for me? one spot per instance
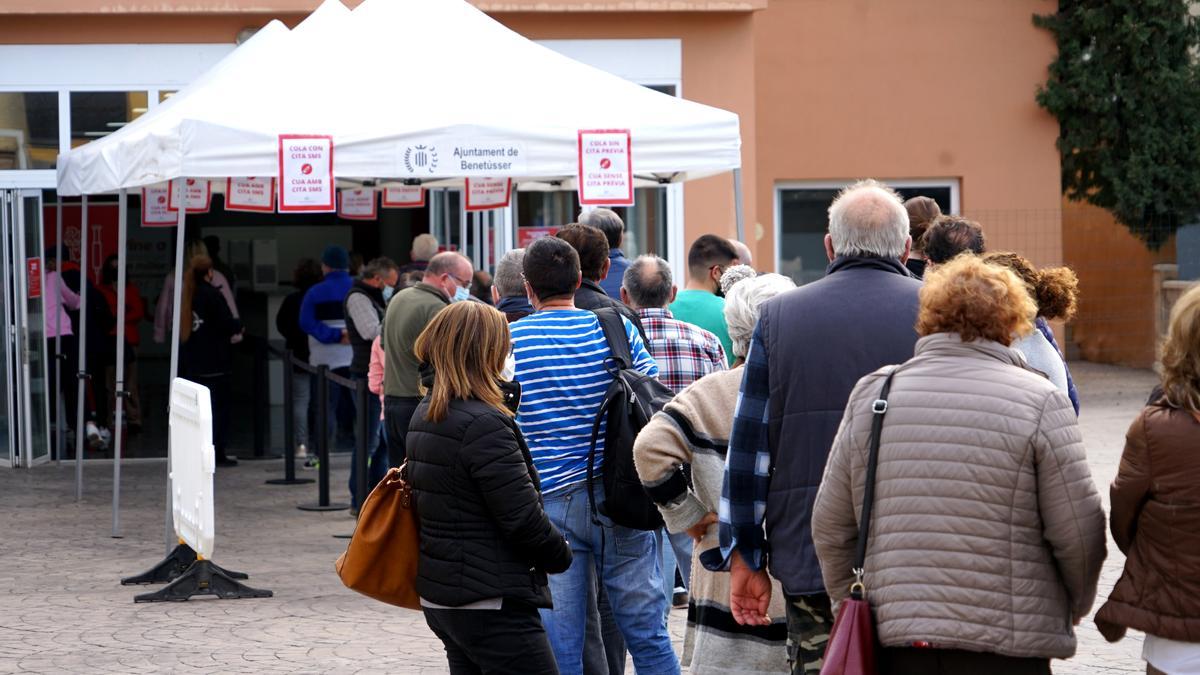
(914, 89)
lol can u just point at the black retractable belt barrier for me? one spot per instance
(323, 503)
(289, 421)
(261, 397)
(361, 450)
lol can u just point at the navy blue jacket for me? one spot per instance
(821, 339)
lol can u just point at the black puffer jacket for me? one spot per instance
(484, 533)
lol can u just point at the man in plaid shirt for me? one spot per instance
(684, 353)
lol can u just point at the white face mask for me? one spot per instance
(510, 368)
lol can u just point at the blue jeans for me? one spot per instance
(627, 563)
(676, 552)
(377, 456)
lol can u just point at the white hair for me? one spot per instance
(868, 218)
(742, 303)
(424, 247)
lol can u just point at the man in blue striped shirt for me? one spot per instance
(560, 353)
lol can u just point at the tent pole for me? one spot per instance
(462, 225)
(175, 302)
(513, 221)
(737, 205)
(81, 331)
(119, 380)
(60, 435)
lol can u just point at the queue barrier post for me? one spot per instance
(323, 502)
(261, 398)
(360, 445)
(289, 424)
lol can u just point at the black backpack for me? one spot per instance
(630, 402)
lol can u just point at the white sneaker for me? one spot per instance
(95, 441)
(301, 451)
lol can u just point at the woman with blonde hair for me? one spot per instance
(693, 430)
(486, 542)
(1156, 510)
(986, 536)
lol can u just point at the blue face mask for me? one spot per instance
(387, 293)
(461, 294)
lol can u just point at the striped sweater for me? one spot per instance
(560, 358)
(694, 429)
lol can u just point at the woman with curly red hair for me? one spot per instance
(987, 536)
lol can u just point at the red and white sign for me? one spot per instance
(154, 208)
(198, 196)
(250, 194)
(357, 204)
(306, 174)
(488, 193)
(527, 235)
(34, 265)
(605, 168)
(404, 197)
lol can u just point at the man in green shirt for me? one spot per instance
(447, 278)
(699, 303)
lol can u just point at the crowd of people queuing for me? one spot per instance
(987, 533)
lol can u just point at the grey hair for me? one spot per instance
(735, 274)
(510, 280)
(868, 218)
(607, 221)
(742, 305)
(378, 268)
(424, 247)
(648, 288)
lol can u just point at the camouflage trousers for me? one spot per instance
(809, 620)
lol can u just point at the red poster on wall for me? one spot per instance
(102, 233)
(527, 235)
(34, 266)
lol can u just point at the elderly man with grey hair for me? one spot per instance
(608, 222)
(424, 247)
(508, 286)
(808, 351)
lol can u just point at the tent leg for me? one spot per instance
(119, 381)
(60, 432)
(738, 210)
(176, 300)
(81, 331)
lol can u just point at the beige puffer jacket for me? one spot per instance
(987, 532)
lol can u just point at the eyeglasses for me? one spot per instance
(464, 284)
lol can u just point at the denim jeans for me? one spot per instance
(302, 386)
(627, 563)
(377, 454)
(676, 552)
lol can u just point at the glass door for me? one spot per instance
(8, 369)
(25, 361)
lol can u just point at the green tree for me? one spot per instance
(1126, 94)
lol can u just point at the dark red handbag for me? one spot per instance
(852, 643)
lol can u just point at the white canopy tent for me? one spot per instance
(381, 80)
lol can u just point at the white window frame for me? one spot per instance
(954, 183)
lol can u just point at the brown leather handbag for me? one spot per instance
(852, 643)
(381, 561)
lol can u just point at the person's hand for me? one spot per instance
(1077, 619)
(697, 531)
(345, 337)
(749, 593)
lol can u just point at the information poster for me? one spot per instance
(527, 235)
(197, 196)
(35, 277)
(250, 194)
(306, 174)
(404, 197)
(357, 204)
(605, 168)
(154, 208)
(488, 193)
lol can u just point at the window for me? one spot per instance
(95, 114)
(28, 130)
(542, 213)
(801, 221)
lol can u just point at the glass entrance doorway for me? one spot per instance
(25, 430)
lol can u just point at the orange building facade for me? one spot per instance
(933, 96)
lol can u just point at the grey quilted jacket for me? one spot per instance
(987, 532)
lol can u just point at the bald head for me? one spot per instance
(647, 283)
(868, 219)
(743, 252)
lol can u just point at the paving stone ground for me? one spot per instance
(63, 610)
